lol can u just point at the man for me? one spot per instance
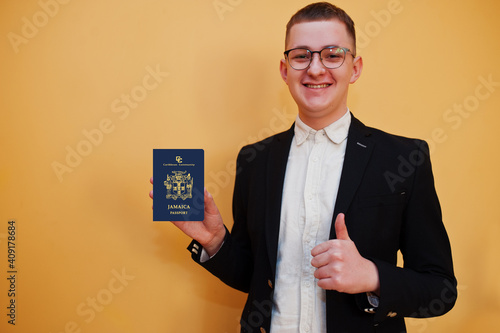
(321, 210)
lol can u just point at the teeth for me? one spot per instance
(317, 86)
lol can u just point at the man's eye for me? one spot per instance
(332, 56)
(300, 57)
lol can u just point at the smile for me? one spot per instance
(317, 86)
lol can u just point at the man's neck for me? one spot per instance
(321, 122)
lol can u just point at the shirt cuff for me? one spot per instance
(373, 299)
(204, 257)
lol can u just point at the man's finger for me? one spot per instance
(210, 206)
(340, 227)
(318, 249)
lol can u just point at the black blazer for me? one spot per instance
(387, 194)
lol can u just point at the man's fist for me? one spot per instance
(340, 266)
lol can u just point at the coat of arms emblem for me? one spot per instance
(179, 185)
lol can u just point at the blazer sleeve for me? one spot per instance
(425, 286)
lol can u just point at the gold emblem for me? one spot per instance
(179, 185)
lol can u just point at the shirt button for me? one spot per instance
(308, 284)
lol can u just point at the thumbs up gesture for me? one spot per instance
(340, 266)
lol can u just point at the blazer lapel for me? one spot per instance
(276, 167)
(358, 152)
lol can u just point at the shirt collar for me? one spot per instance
(336, 131)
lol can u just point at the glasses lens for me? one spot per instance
(333, 57)
(299, 58)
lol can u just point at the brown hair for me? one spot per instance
(322, 11)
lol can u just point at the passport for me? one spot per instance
(178, 185)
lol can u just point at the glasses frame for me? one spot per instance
(345, 49)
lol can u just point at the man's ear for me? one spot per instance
(283, 70)
(357, 68)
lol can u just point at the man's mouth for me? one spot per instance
(317, 86)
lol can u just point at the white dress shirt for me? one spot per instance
(309, 194)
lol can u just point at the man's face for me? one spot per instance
(320, 92)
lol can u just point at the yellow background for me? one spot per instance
(79, 228)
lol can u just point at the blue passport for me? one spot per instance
(178, 185)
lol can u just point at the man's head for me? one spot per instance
(320, 63)
(322, 11)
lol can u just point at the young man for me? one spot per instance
(321, 210)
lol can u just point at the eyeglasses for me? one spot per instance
(331, 57)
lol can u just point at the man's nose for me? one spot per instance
(316, 67)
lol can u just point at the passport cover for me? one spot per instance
(178, 185)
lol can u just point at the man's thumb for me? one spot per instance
(340, 227)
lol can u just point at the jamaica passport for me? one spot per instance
(178, 185)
